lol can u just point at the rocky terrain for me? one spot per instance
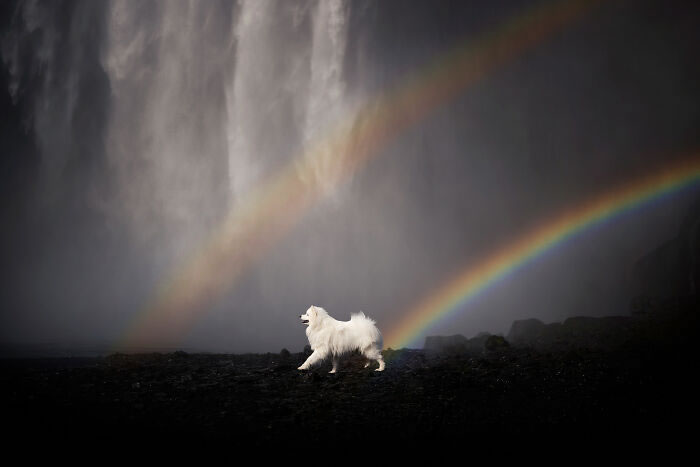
(637, 383)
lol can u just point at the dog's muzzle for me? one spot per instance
(304, 321)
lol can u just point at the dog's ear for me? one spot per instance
(312, 310)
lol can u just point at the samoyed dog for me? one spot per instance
(330, 337)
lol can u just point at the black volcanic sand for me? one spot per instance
(641, 386)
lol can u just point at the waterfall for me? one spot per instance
(51, 54)
(252, 94)
(182, 105)
(287, 89)
(167, 64)
(326, 101)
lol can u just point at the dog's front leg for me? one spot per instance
(314, 358)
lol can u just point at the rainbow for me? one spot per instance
(256, 223)
(469, 283)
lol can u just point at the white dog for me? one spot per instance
(329, 336)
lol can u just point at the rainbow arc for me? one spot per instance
(457, 293)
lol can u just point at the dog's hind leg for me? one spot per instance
(314, 358)
(380, 360)
(372, 353)
(368, 363)
(335, 364)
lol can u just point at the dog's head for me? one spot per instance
(311, 315)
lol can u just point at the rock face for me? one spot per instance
(495, 343)
(579, 331)
(533, 331)
(458, 344)
(526, 329)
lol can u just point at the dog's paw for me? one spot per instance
(332, 371)
(302, 368)
(379, 369)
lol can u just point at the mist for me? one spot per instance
(130, 131)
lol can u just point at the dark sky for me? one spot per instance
(128, 130)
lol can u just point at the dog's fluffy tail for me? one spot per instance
(360, 315)
(370, 327)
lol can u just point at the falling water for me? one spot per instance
(287, 89)
(166, 64)
(182, 106)
(326, 102)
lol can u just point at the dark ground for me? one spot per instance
(640, 385)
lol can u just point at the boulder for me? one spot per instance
(526, 330)
(494, 343)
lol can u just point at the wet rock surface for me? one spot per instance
(637, 386)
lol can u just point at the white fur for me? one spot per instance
(330, 337)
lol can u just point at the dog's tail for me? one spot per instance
(359, 315)
(370, 326)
